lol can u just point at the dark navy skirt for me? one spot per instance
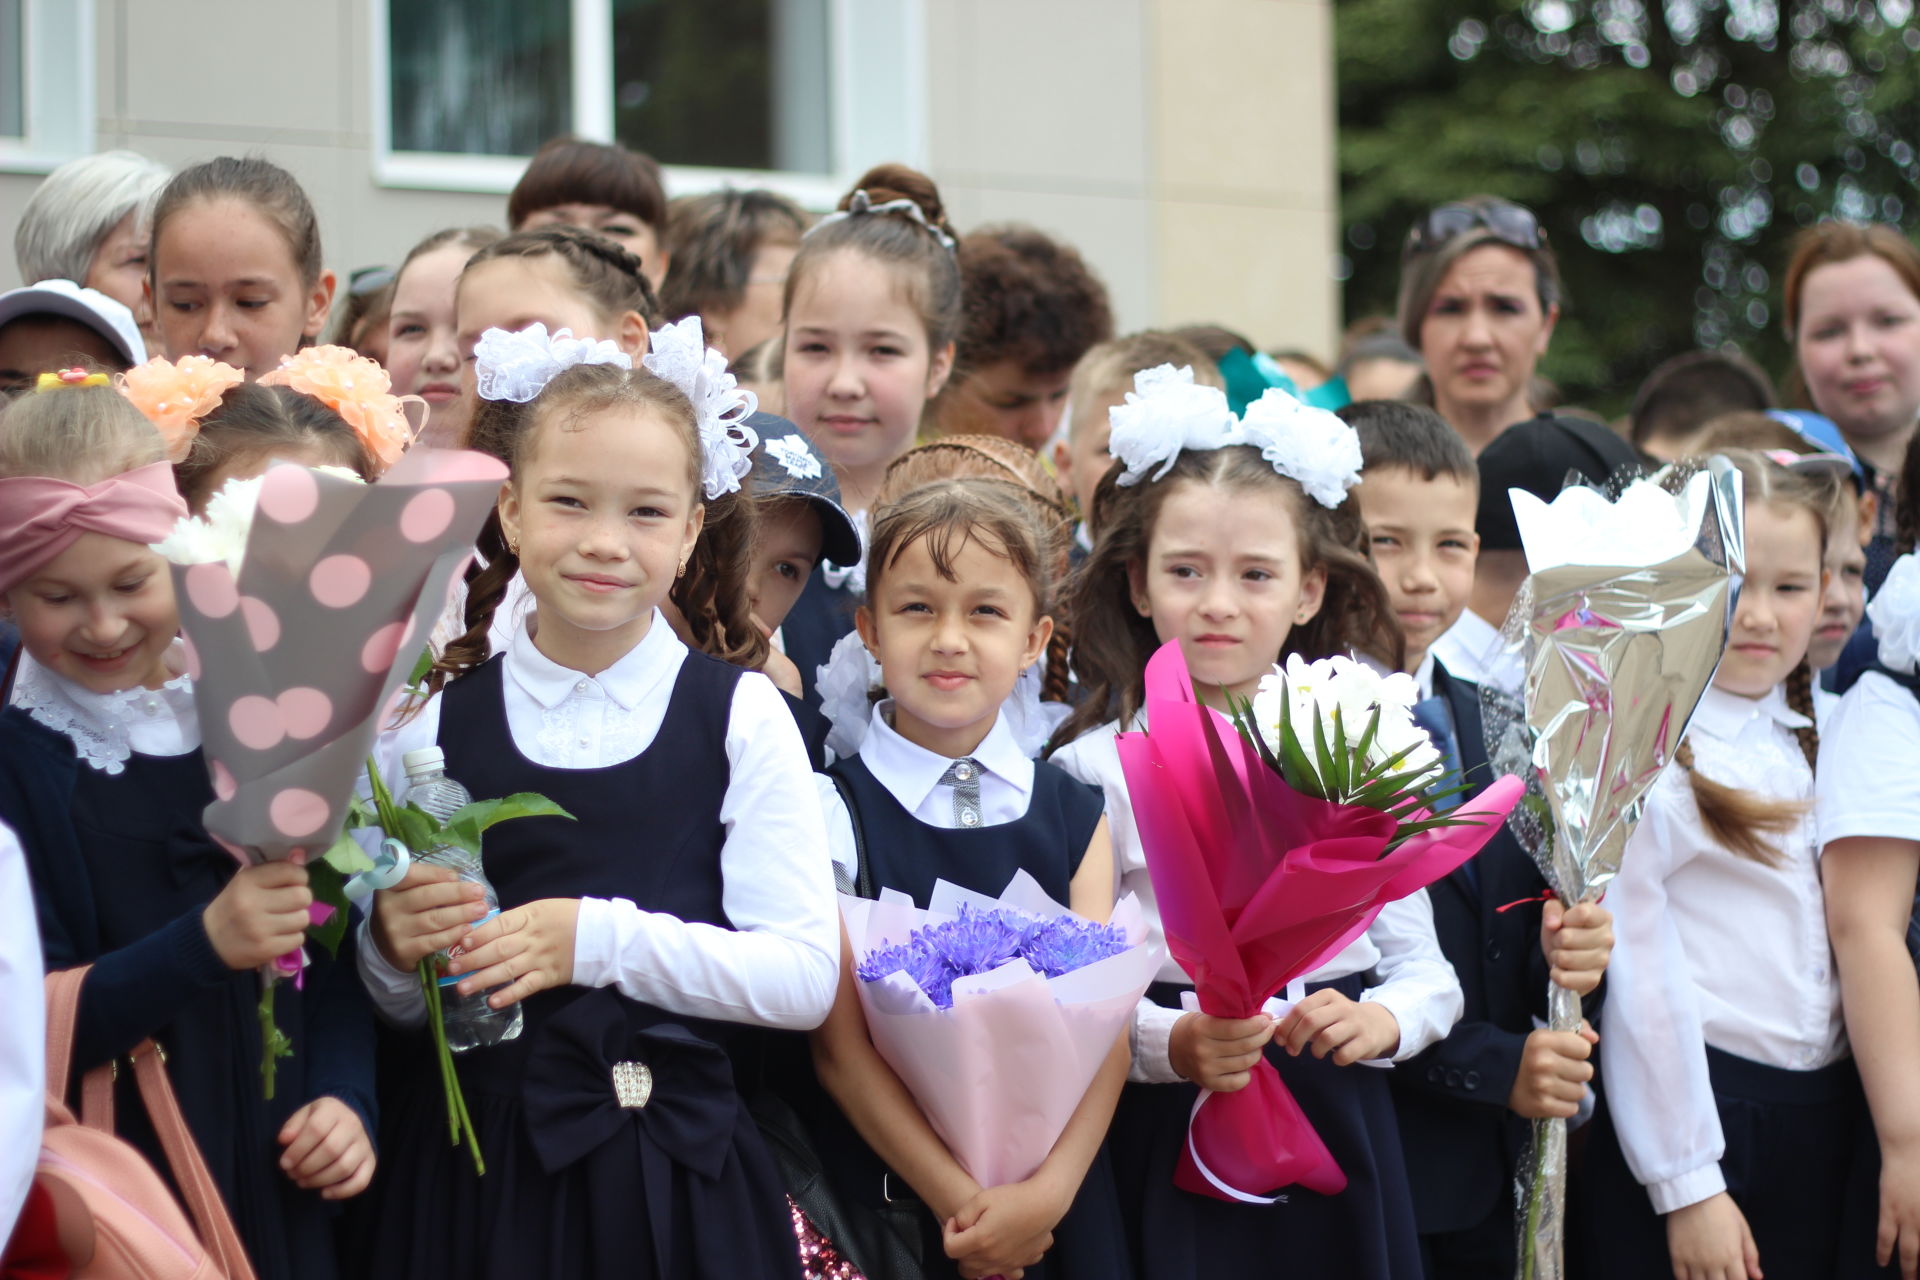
(1364, 1233)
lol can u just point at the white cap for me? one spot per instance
(424, 760)
(105, 316)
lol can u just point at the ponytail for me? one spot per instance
(1739, 820)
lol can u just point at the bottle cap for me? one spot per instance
(424, 760)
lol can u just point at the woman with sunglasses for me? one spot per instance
(1479, 295)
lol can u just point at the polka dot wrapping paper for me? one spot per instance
(296, 663)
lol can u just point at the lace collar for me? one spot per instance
(102, 726)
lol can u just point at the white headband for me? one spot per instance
(1167, 412)
(518, 366)
(679, 354)
(860, 204)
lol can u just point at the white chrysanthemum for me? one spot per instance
(1313, 690)
(1313, 447)
(1895, 614)
(220, 534)
(1164, 413)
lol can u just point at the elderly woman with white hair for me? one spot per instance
(87, 222)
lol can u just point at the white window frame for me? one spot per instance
(59, 48)
(877, 76)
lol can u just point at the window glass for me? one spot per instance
(478, 77)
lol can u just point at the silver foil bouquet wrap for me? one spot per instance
(1619, 627)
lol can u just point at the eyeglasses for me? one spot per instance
(1510, 223)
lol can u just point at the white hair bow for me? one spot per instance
(860, 204)
(518, 366)
(679, 354)
(1167, 412)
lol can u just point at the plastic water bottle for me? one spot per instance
(470, 1022)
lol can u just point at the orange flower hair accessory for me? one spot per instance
(175, 394)
(357, 389)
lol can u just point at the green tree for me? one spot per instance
(1671, 150)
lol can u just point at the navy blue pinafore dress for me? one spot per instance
(578, 1185)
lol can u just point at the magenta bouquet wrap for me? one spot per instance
(1259, 884)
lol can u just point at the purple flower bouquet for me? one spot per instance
(996, 1013)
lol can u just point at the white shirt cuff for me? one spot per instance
(1689, 1188)
(1417, 1014)
(596, 942)
(396, 992)
(1151, 1041)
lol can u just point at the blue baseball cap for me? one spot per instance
(1820, 432)
(787, 465)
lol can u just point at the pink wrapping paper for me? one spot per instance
(1258, 885)
(1000, 1073)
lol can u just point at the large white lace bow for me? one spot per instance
(850, 676)
(679, 353)
(1316, 448)
(1895, 614)
(1167, 412)
(518, 366)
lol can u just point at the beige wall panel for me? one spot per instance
(1264, 272)
(223, 68)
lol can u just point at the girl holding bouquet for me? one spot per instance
(1244, 549)
(958, 586)
(688, 897)
(1730, 1110)
(102, 776)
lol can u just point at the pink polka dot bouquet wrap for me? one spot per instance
(298, 642)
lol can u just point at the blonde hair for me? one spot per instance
(78, 434)
(1107, 369)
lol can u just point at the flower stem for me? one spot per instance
(459, 1120)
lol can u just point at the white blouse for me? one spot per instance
(780, 964)
(1712, 948)
(1472, 650)
(1416, 982)
(1868, 785)
(23, 1059)
(106, 728)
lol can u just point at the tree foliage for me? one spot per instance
(1671, 150)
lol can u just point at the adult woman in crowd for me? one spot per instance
(1852, 311)
(1479, 296)
(88, 223)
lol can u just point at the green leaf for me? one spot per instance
(1366, 743)
(468, 823)
(385, 810)
(329, 886)
(346, 856)
(421, 666)
(1295, 768)
(414, 827)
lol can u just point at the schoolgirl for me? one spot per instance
(102, 776)
(688, 897)
(235, 269)
(1729, 1107)
(1868, 808)
(939, 789)
(1239, 543)
(423, 354)
(872, 309)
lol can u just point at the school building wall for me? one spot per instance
(1185, 146)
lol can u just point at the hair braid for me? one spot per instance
(1799, 686)
(1056, 683)
(486, 588)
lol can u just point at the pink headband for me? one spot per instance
(40, 517)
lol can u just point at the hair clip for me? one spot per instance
(518, 366)
(175, 394)
(860, 204)
(1167, 413)
(679, 354)
(357, 389)
(74, 377)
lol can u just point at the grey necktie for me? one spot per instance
(963, 775)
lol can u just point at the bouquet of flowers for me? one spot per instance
(1620, 624)
(298, 595)
(1268, 859)
(996, 1013)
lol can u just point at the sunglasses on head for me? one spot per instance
(1509, 223)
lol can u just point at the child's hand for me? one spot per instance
(778, 667)
(327, 1149)
(1350, 1030)
(1710, 1241)
(1554, 1070)
(1898, 1238)
(1577, 942)
(528, 949)
(428, 911)
(1218, 1053)
(260, 915)
(1003, 1230)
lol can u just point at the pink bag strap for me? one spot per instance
(63, 1015)
(189, 1168)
